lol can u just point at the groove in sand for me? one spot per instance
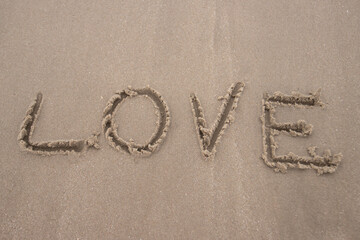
(209, 137)
(110, 128)
(327, 163)
(51, 147)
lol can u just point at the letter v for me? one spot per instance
(208, 138)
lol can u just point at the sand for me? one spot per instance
(91, 158)
(52, 147)
(209, 137)
(327, 163)
(162, 125)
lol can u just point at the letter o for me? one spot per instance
(110, 129)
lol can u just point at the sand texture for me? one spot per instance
(327, 163)
(51, 147)
(180, 119)
(208, 138)
(162, 125)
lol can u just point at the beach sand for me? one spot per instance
(78, 54)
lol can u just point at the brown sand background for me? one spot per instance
(78, 53)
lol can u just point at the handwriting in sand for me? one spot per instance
(208, 137)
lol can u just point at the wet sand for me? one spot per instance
(81, 55)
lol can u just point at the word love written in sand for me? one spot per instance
(208, 137)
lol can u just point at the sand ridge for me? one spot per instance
(327, 163)
(162, 125)
(49, 147)
(209, 137)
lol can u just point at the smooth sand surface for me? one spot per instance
(79, 53)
